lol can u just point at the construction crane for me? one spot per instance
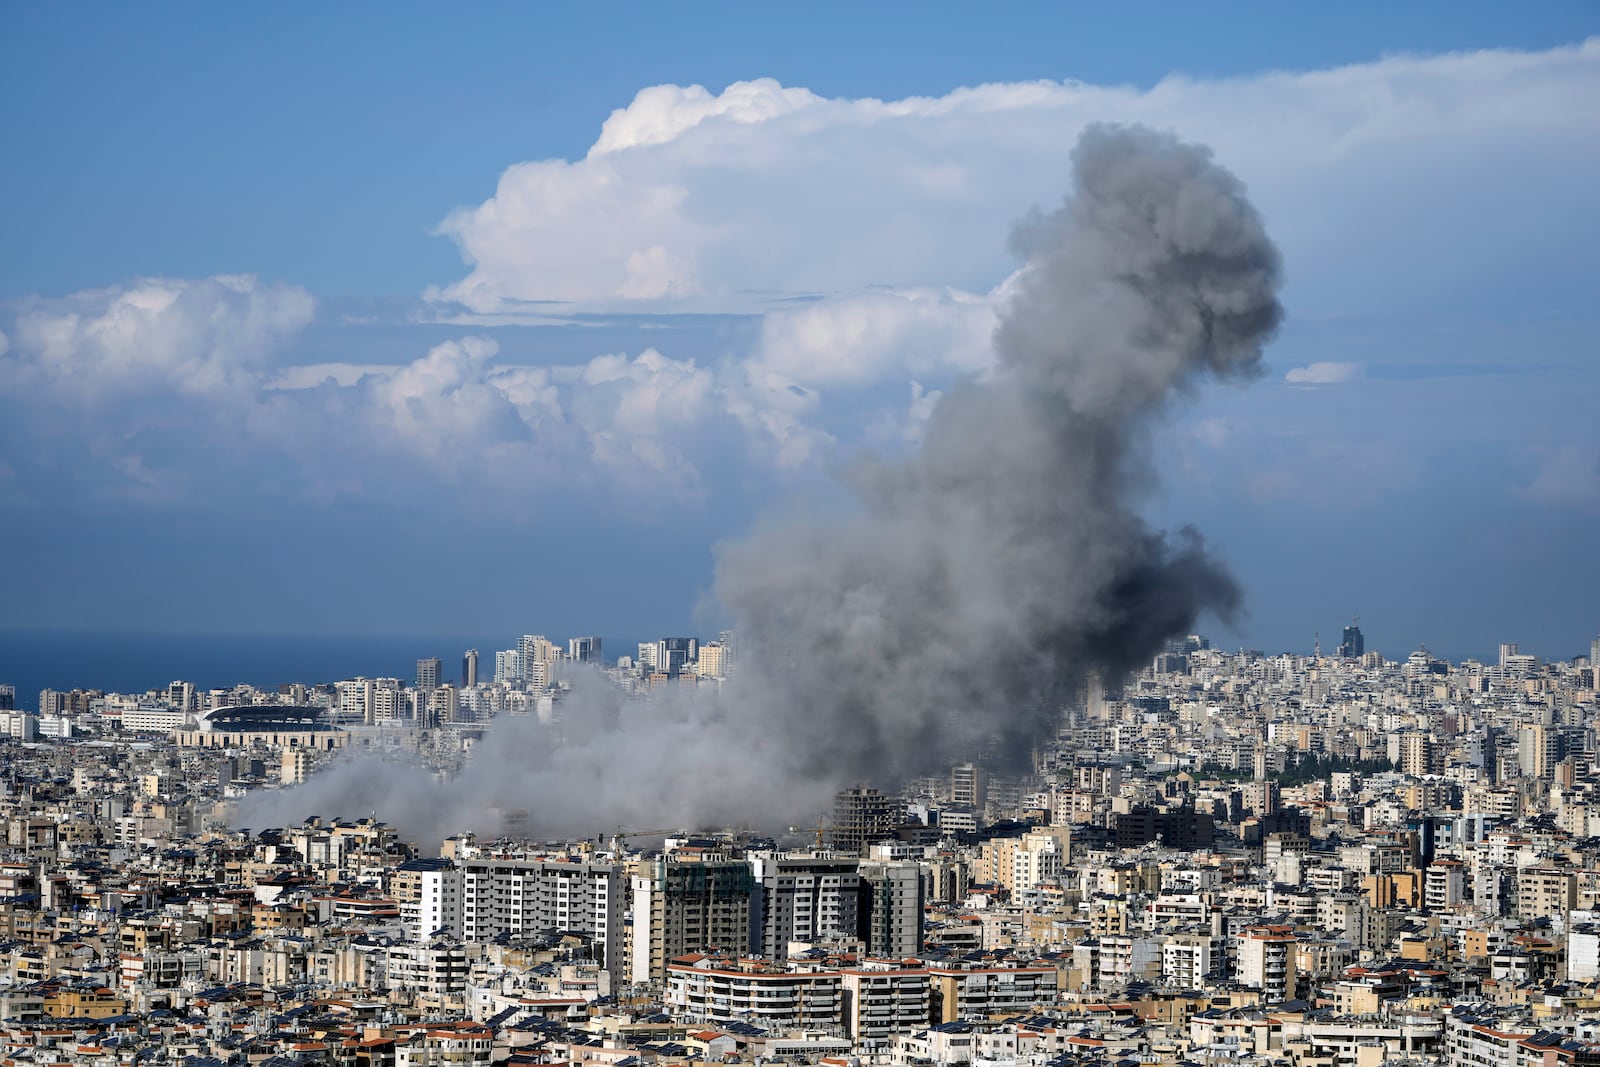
(822, 829)
(622, 835)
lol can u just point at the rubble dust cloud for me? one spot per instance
(979, 579)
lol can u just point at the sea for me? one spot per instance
(128, 662)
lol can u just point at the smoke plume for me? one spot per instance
(984, 576)
(979, 580)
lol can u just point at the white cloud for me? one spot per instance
(690, 199)
(868, 235)
(441, 405)
(638, 426)
(601, 233)
(165, 380)
(868, 337)
(664, 112)
(894, 430)
(193, 337)
(1324, 374)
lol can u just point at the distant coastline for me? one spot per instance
(131, 662)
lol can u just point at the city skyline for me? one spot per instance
(144, 661)
(885, 535)
(236, 368)
(1284, 861)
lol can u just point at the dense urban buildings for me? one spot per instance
(1227, 857)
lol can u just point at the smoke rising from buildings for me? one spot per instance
(979, 580)
(680, 758)
(985, 575)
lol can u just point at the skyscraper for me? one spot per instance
(428, 671)
(679, 906)
(801, 898)
(469, 669)
(523, 897)
(539, 655)
(712, 661)
(508, 666)
(675, 654)
(1353, 645)
(1537, 750)
(583, 649)
(889, 912)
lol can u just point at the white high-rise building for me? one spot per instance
(21, 725)
(536, 648)
(508, 667)
(388, 700)
(536, 673)
(534, 895)
(355, 701)
(1041, 859)
(1583, 952)
(443, 704)
(429, 893)
(1186, 960)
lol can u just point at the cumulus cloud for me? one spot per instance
(636, 426)
(663, 112)
(868, 337)
(125, 393)
(859, 233)
(173, 385)
(690, 198)
(190, 336)
(1324, 374)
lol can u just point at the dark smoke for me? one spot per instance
(981, 579)
(986, 575)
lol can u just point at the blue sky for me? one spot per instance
(286, 340)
